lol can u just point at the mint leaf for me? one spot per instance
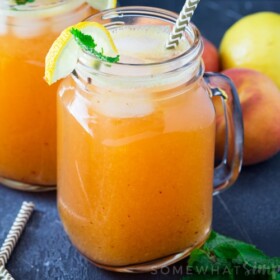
(203, 263)
(87, 43)
(200, 258)
(23, 2)
(216, 239)
(239, 252)
(226, 258)
(226, 251)
(253, 257)
(275, 275)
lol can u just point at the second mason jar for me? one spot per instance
(27, 103)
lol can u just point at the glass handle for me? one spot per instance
(229, 168)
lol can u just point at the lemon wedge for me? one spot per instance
(102, 4)
(63, 55)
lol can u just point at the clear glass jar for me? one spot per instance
(27, 103)
(136, 149)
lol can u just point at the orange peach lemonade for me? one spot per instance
(27, 103)
(135, 174)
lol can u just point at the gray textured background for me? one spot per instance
(250, 210)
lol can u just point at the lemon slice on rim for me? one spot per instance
(102, 4)
(63, 55)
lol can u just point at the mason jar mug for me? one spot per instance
(27, 103)
(136, 145)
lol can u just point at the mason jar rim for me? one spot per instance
(187, 58)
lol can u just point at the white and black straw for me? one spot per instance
(181, 23)
(13, 237)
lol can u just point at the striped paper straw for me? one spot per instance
(181, 23)
(4, 274)
(13, 237)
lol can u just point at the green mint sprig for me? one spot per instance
(87, 43)
(224, 258)
(23, 2)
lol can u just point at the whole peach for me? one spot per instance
(260, 103)
(210, 56)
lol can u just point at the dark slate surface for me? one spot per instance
(250, 210)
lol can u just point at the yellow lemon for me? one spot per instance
(64, 52)
(254, 42)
